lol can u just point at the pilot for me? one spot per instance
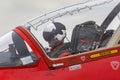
(54, 34)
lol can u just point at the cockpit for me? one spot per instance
(15, 50)
(72, 16)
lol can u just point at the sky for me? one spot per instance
(16, 12)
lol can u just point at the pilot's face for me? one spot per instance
(53, 43)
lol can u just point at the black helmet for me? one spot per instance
(54, 30)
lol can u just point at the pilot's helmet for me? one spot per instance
(55, 30)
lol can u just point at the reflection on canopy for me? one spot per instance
(69, 10)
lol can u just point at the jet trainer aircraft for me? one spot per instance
(25, 55)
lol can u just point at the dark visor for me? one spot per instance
(48, 36)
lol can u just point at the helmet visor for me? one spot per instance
(48, 36)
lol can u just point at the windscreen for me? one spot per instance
(14, 51)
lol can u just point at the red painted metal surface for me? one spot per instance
(103, 64)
